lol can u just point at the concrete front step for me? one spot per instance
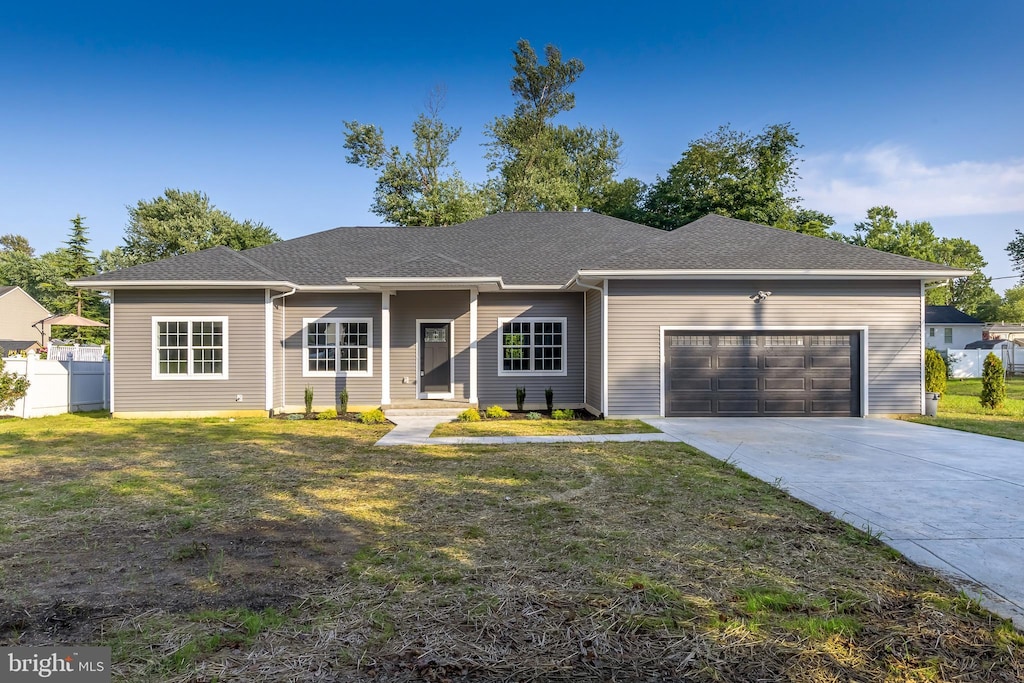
(440, 413)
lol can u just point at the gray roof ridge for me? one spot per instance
(256, 264)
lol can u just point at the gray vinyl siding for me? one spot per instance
(135, 390)
(493, 389)
(406, 309)
(594, 342)
(890, 310)
(361, 390)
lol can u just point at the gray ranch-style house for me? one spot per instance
(719, 317)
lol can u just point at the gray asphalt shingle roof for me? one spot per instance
(528, 248)
(948, 315)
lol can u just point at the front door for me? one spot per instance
(435, 360)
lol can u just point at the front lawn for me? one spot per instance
(960, 408)
(276, 550)
(542, 427)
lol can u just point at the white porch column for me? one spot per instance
(472, 345)
(385, 348)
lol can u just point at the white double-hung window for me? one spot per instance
(532, 346)
(190, 347)
(337, 346)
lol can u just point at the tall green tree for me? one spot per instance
(883, 231)
(180, 222)
(1016, 251)
(541, 166)
(1011, 308)
(17, 243)
(421, 187)
(732, 173)
(74, 260)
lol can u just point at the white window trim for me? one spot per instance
(947, 335)
(190, 375)
(502, 372)
(306, 372)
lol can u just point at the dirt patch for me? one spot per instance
(120, 571)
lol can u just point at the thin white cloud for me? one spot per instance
(847, 185)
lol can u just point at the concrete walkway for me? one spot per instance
(414, 430)
(949, 500)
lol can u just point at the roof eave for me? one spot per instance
(106, 285)
(379, 284)
(776, 274)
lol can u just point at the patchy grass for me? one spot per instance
(960, 408)
(543, 427)
(268, 550)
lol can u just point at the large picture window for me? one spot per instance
(190, 348)
(335, 346)
(533, 346)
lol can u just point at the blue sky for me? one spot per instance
(917, 105)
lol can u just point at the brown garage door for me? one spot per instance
(765, 373)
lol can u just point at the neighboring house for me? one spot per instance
(19, 314)
(949, 328)
(995, 344)
(1005, 331)
(718, 317)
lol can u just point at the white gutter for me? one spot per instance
(706, 274)
(183, 284)
(603, 290)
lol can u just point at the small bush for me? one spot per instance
(329, 414)
(934, 372)
(993, 382)
(534, 416)
(373, 417)
(469, 415)
(343, 401)
(563, 414)
(496, 413)
(12, 387)
(520, 398)
(308, 398)
(549, 397)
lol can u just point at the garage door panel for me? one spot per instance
(782, 374)
(737, 383)
(737, 406)
(691, 384)
(837, 361)
(731, 361)
(785, 384)
(785, 406)
(691, 407)
(788, 362)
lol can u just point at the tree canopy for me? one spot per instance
(731, 173)
(883, 231)
(421, 187)
(181, 222)
(1016, 251)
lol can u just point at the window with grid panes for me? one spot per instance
(337, 347)
(533, 346)
(190, 348)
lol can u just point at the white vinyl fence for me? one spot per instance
(91, 353)
(57, 387)
(964, 363)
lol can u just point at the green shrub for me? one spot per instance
(934, 372)
(993, 382)
(549, 397)
(329, 414)
(308, 398)
(373, 417)
(469, 415)
(534, 416)
(520, 398)
(496, 413)
(343, 401)
(563, 414)
(12, 387)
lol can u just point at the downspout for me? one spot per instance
(284, 361)
(604, 342)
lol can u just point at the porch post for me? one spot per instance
(472, 345)
(385, 348)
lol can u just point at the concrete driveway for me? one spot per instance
(948, 500)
